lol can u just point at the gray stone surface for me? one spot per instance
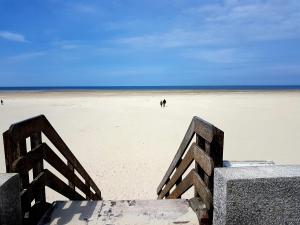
(262, 195)
(10, 203)
(227, 163)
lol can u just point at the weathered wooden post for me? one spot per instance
(36, 140)
(201, 143)
(213, 149)
(71, 167)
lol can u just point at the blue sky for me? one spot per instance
(157, 42)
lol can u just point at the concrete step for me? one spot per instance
(123, 212)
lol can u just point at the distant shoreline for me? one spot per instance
(152, 88)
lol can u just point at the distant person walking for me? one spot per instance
(161, 103)
(1, 102)
(164, 102)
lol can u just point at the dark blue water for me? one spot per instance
(142, 88)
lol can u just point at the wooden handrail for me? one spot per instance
(40, 123)
(199, 126)
(194, 153)
(21, 160)
(46, 178)
(56, 184)
(193, 179)
(28, 194)
(43, 151)
(206, 152)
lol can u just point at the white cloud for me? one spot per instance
(229, 23)
(82, 8)
(220, 55)
(68, 44)
(124, 25)
(12, 36)
(26, 56)
(171, 39)
(251, 20)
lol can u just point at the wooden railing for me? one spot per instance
(207, 152)
(21, 160)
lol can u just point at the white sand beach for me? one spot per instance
(126, 141)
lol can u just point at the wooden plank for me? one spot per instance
(59, 186)
(36, 140)
(180, 177)
(57, 141)
(25, 163)
(28, 194)
(30, 126)
(185, 163)
(203, 128)
(193, 179)
(186, 183)
(21, 147)
(201, 143)
(206, 177)
(217, 147)
(200, 209)
(177, 183)
(167, 193)
(216, 152)
(61, 167)
(203, 191)
(9, 153)
(26, 128)
(194, 153)
(203, 160)
(71, 168)
(21, 151)
(88, 196)
(184, 144)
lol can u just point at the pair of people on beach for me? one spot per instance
(163, 103)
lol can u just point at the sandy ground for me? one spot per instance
(126, 141)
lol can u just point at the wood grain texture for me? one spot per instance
(207, 153)
(43, 151)
(36, 140)
(28, 127)
(194, 153)
(197, 125)
(193, 179)
(21, 160)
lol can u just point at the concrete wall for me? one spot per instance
(10, 202)
(261, 195)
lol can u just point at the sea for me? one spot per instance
(154, 88)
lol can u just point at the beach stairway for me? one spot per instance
(30, 143)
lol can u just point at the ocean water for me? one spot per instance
(143, 88)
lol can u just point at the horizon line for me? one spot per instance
(154, 87)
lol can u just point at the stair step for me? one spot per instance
(121, 212)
